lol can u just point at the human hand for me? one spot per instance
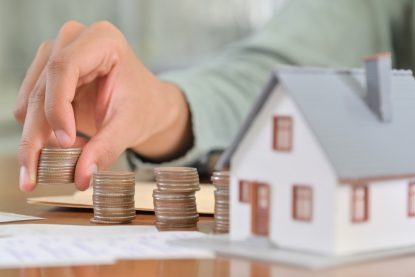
(88, 79)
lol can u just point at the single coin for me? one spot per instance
(103, 221)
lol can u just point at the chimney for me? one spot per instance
(378, 81)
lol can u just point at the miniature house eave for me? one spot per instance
(359, 146)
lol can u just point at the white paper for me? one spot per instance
(151, 246)
(76, 230)
(53, 245)
(23, 251)
(11, 217)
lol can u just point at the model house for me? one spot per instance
(325, 161)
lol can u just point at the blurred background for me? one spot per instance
(164, 34)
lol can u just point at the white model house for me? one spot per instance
(325, 162)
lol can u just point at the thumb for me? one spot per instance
(100, 152)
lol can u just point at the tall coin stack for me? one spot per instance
(174, 199)
(220, 180)
(57, 166)
(113, 197)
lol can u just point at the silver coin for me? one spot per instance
(178, 217)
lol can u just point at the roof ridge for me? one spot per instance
(279, 76)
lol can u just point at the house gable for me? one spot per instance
(333, 103)
(306, 164)
(359, 145)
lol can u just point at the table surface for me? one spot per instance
(12, 200)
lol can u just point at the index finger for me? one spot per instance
(93, 54)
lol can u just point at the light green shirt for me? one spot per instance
(328, 33)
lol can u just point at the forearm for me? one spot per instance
(176, 137)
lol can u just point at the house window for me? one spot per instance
(360, 204)
(244, 191)
(411, 199)
(302, 202)
(282, 133)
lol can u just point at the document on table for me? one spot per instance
(91, 245)
(75, 230)
(25, 251)
(143, 198)
(11, 217)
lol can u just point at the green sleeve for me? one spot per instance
(305, 32)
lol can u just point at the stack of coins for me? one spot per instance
(113, 197)
(220, 180)
(174, 199)
(57, 166)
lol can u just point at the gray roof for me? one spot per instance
(357, 143)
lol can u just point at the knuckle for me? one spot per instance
(56, 66)
(45, 46)
(68, 27)
(103, 24)
(19, 113)
(117, 42)
(36, 97)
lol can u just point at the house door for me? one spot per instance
(260, 209)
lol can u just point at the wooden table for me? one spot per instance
(14, 201)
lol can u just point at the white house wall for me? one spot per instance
(388, 224)
(306, 164)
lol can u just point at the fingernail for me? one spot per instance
(24, 179)
(63, 138)
(92, 169)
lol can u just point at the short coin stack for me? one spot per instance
(57, 166)
(174, 199)
(113, 197)
(220, 180)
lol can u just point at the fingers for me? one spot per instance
(102, 150)
(67, 34)
(91, 55)
(32, 76)
(36, 132)
(69, 31)
(78, 56)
